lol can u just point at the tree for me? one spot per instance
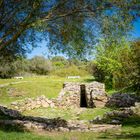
(111, 64)
(66, 22)
(135, 77)
(17, 67)
(40, 65)
(59, 62)
(118, 65)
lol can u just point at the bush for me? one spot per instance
(40, 65)
(59, 62)
(71, 70)
(9, 69)
(117, 65)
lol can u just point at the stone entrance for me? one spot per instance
(83, 100)
(88, 95)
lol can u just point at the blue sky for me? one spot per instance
(43, 51)
(39, 51)
(136, 31)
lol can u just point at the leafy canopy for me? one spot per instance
(69, 26)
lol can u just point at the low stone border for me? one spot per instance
(57, 124)
(29, 103)
(70, 127)
(118, 116)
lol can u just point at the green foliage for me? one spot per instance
(115, 65)
(70, 71)
(70, 25)
(65, 67)
(12, 68)
(40, 65)
(59, 62)
(136, 68)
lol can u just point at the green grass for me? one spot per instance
(35, 86)
(110, 92)
(51, 113)
(50, 87)
(128, 133)
(4, 81)
(90, 114)
(68, 114)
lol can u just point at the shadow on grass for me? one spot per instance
(12, 128)
(133, 121)
(130, 128)
(13, 120)
(7, 127)
(123, 136)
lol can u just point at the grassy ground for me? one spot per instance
(50, 87)
(68, 114)
(128, 133)
(33, 87)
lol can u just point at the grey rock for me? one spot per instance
(120, 100)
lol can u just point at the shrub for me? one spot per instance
(117, 65)
(71, 70)
(40, 65)
(9, 69)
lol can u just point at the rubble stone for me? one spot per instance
(120, 100)
(57, 124)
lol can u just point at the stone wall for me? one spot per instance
(71, 87)
(68, 100)
(29, 104)
(95, 94)
(69, 95)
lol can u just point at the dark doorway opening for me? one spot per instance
(83, 102)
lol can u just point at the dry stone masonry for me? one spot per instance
(29, 104)
(83, 95)
(72, 95)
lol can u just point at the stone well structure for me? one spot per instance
(82, 95)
